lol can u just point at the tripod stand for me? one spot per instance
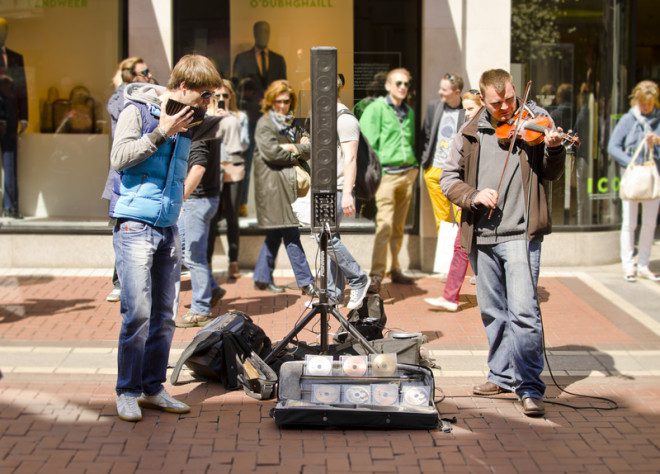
(322, 308)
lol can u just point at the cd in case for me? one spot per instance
(415, 395)
(327, 393)
(354, 366)
(318, 365)
(383, 365)
(356, 394)
(385, 394)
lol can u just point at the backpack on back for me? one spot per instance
(369, 171)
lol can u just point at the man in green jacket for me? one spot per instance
(388, 123)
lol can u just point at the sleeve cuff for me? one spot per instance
(157, 137)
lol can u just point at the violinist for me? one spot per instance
(498, 183)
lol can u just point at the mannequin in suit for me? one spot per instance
(256, 68)
(16, 105)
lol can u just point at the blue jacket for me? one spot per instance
(152, 191)
(629, 132)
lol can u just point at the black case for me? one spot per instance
(292, 411)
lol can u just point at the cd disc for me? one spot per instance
(383, 365)
(319, 365)
(325, 393)
(415, 396)
(354, 366)
(385, 395)
(357, 395)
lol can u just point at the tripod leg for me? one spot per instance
(294, 332)
(351, 329)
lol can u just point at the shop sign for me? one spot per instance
(291, 3)
(604, 185)
(28, 4)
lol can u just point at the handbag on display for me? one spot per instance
(640, 181)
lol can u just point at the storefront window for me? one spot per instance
(577, 55)
(57, 75)
(371, 37)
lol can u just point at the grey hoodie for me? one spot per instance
(131, 147)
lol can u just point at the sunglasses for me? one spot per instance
(206, 95)
(144, 72)
(474, 91)
(405, 84)
(222, 96)
(282, 101)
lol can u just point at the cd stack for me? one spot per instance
(369, 391)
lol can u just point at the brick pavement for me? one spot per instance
(65, 422)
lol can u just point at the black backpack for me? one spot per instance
(369, 171)
(218, 350)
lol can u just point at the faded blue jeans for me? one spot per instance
(194, 223)
(148, 263)
(343, 265)
(507, 281)
(290, 236)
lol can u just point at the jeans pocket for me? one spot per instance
(133, 227)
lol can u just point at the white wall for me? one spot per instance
(464, 38)
(150, 33)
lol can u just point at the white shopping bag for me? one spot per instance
(444, 249)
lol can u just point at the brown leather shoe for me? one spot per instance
(233, 272)
(376, 281)
(533, 407)
(488, 388)
(397, 277)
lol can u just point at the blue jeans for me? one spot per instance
(148, 263)
(343, 266)
(10, 199)
(263, 270)
(194, 221)
(507, 277)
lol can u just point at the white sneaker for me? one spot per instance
(440, 302)
(645, 272)
(163, 401)
(358, 294)
(128, 408)
(114, 295)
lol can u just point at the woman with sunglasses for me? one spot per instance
(233, 174)
(279, 147)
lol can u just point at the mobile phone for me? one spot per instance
(221, 104)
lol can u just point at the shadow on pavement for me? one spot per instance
(11, 313)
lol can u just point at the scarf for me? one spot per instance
(284, 124)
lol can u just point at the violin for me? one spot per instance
(532, 129)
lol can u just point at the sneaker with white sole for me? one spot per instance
(163, 401)
(645, 272)
(358, 294)
(114, 295)
(440, 302)
(128, 408)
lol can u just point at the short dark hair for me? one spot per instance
(196, 72)
(455, 80)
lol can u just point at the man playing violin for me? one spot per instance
(505, 216)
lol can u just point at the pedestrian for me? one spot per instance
(640, 123)
(150, 149)
(343, 265)
(501, 230)
(233, 180)
(132, 69)
(279, 147)
(450, 299)
(388, 123)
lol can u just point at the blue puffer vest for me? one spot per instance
(152, 191)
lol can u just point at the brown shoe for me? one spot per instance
(376, 281)
(533, 407)
(233, 272)
(243, 210)
(397, 277)
(488, 388)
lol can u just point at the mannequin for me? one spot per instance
(16, 106)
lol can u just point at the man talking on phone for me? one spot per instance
(150, 151)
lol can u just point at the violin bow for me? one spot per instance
(514, 136)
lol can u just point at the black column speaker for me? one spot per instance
(324, 136)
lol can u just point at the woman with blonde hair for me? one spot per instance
(640, 124)
(233, 174)
(279, 147)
